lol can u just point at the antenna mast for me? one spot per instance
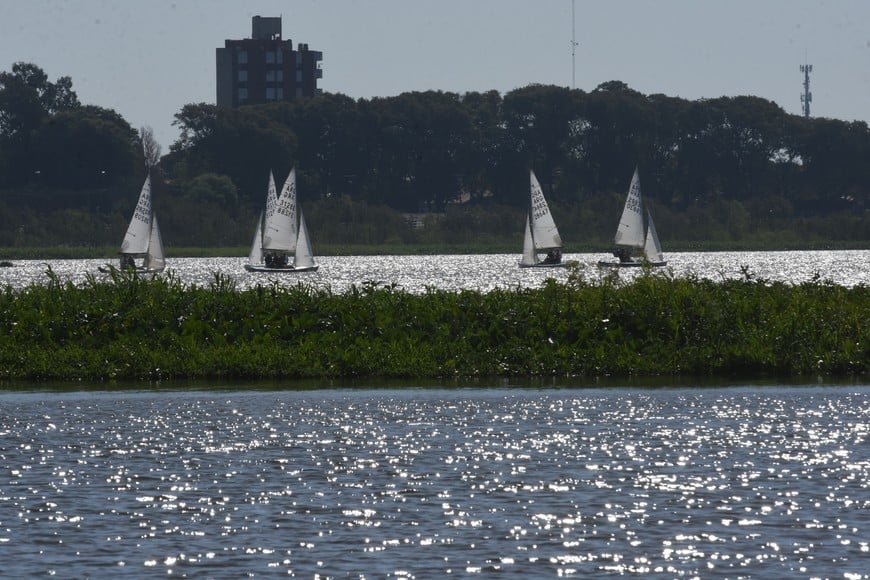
(573, 47)
(806, 96)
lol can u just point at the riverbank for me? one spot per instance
(11, 253)
(657, 325)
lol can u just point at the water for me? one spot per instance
(746, 481)
(422, 483)
(476, 272)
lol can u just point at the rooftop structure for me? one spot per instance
(265, 68)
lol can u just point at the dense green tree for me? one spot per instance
(27, 98)
(621, 121)
(422, 150)
(87, 147)
(538, 120)
(480, 164)
(726, 168)
(419, 137)
(434, 131)
(834, 171)
(332, 156)
(59, 154)
(245, 144)
(210, 188)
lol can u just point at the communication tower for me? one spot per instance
(573, 46)
(806, 96)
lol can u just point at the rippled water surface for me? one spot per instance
(732, 482)
(476, 272)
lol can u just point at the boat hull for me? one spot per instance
(630, 264)
(543, 265)
(282, 270)
(107, 269)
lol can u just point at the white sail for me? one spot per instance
(287, 207)
(282, 234)
(139, 231)
(271, 197)
(633, 234)
(280, 231)
(652, 248)
(304, 257)
(271, 205)
(256, 255)
(530, 257)
(155, 260)
(630, 231)
(544, 231)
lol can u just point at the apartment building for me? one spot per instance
(265, 68)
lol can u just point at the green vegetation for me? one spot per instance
(730, 171)
(136, 328)
(509, 246)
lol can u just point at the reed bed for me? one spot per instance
(132, 327)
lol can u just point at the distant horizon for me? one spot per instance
(146, 61)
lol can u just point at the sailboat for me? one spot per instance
(541, 232)
(634, 234)
(142, 239)
(279, 233)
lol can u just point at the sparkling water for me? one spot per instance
(747, 481)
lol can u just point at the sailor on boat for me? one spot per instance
(276, 260)
(623, 254)
(554, 256)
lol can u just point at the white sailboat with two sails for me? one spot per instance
(142, 240)
(636, 238)
(541, 235)
(279, 234)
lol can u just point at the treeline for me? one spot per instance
(136, 328)
(732, 169)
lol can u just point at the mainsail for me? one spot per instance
(139, 231)
(630, 231)
(543, 228)
(280, 230)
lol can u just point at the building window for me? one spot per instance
(279, 92)
(270, 93)
(270, 76)
(243, 76)
(243, 57)
(298, 76)
(242, 95)
(270, 57)
(280, 56)
(280, 76)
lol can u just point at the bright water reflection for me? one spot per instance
(762, 482)
(476, 272)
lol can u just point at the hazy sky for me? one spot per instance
(147, 59)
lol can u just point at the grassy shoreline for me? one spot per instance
(130, 328)
(106, 252)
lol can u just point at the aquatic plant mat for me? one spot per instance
(133, 327)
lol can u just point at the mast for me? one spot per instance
(573, 47)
